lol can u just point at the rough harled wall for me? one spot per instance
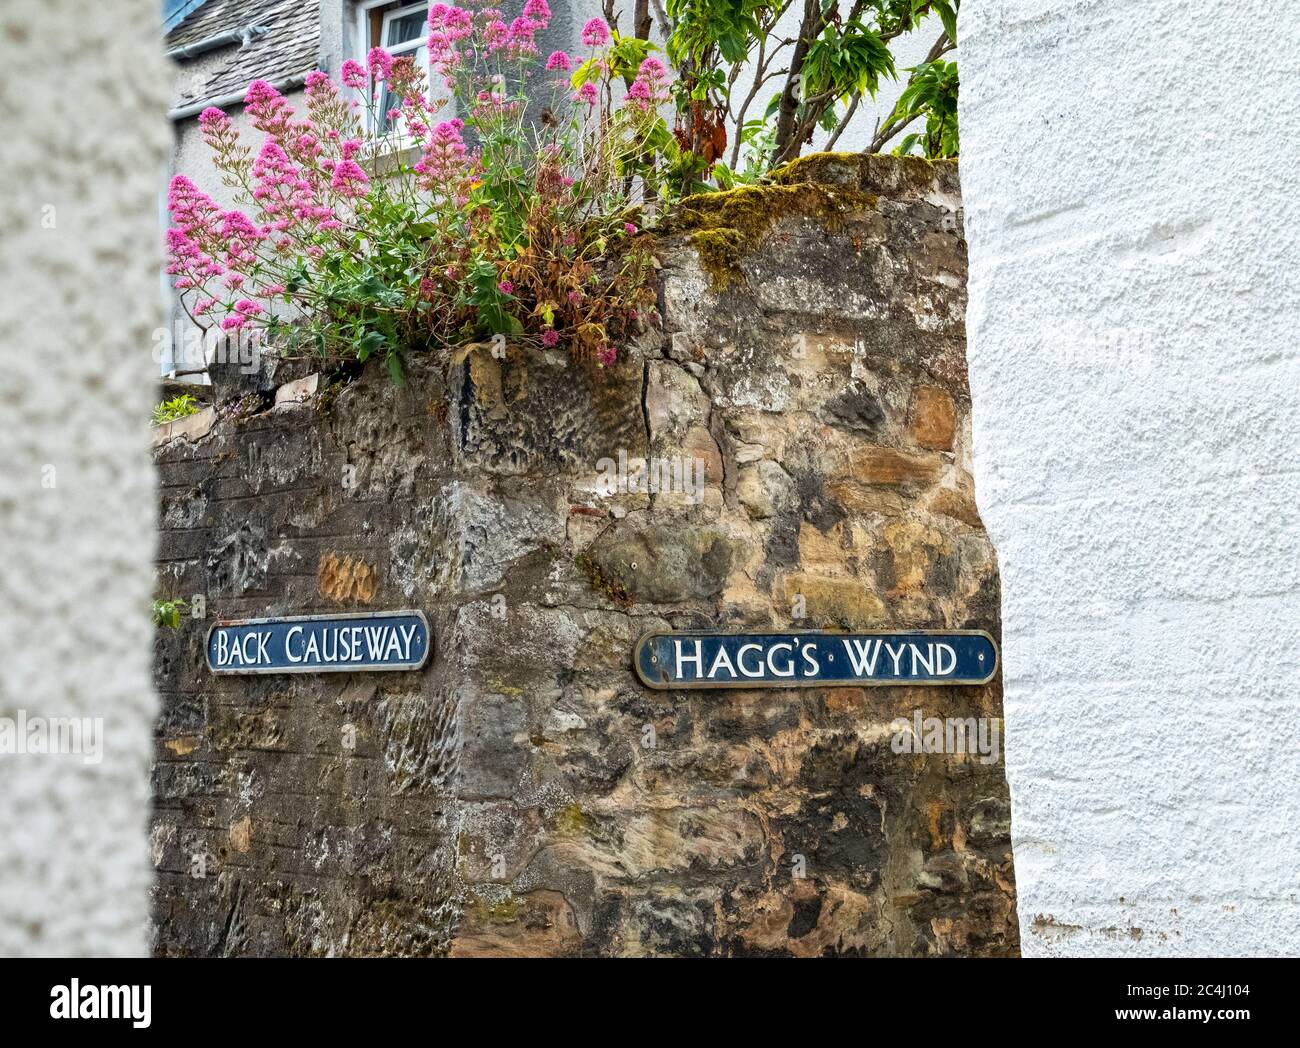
(80, 168)
(1135, 375)
(524, 793)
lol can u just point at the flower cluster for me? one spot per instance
(504, 223)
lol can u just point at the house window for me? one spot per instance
(400, 29)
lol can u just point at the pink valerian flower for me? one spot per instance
(380, 63)
(241, 239)
(586, 93)
(195, 236)
(447, 26)
(317, 80)
(519, 39)
(606, 354)
(353, 74)
(458, 23)
(349, 180)
(244, 311)
(559, 60)
(496, 34)
(595, 33)
(284, 192)
(550, 338)
(443, 165)
(505, 287)
(638, 94)
(650, 88)
(629, 228)
(539, 12)
(212, 119)
(489, 106)
(267, 108)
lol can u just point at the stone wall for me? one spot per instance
(524, 794)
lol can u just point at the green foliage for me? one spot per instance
(932, 93)
(177, 407)
(727, 26)
(809, 82)
(844, 60)
(167, 613)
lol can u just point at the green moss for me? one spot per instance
(825, 168)
(724, 227)
(326, 397)
(830, 187)
(504, 912)
(572, 820)
(611, 588)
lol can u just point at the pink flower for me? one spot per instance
(505, 287)
(550, 338)
(586, 93)
(443, 164)
(380, 63)
(650, 88)
(606, 354)
(519, 39)
(629, 228)
(212, 117)
(595, 33)
(353, 74)
(539, 12)
(195, 236)
(559, 60)
(317, 81)
(349, 180)
(268, 109)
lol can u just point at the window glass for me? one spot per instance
(403, 33)
(406, 28)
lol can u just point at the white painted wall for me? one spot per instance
(1131, 205)
(79, 300)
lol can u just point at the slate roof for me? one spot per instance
(291, 47)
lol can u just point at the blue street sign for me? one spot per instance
(387, 640)
(815, 659)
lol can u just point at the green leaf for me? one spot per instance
(395, 369)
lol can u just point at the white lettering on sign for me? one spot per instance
(320, 644)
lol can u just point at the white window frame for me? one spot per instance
(365, 43)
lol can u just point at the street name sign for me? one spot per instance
(382, 641)
(672, 660)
